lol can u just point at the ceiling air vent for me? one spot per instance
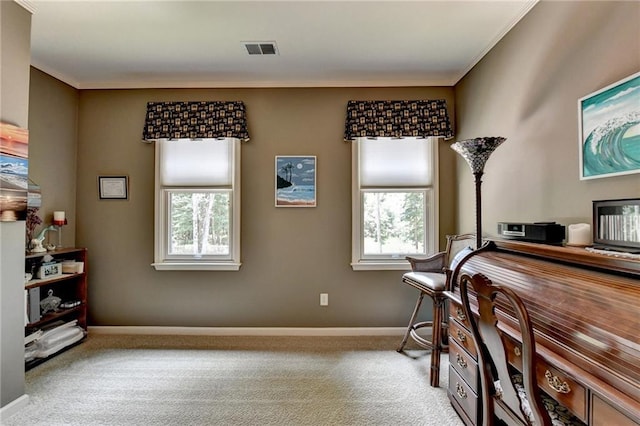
(261, 47)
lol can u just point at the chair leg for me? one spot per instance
(444, 337)
(438, 307)
(411, 321)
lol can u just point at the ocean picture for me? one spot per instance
(295, 181)
(610, 130)
(14, 172)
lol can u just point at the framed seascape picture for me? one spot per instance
(295, 180)
(609, 128)
(14, 172)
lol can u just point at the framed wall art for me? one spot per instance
(113, 187)
(609, 130)
(14, 172)
(295, 180)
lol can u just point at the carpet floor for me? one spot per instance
(125, 380)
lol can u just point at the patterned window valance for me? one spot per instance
(397, 119)
(193, 120)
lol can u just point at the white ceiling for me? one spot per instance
(143, 44)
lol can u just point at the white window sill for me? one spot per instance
(196, 266)
(381, 266)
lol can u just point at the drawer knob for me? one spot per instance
(460, 314)
(517, 351)
(460, 361)
(556, 383)
(461, 336)
(460, 391)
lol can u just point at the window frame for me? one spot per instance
(362, 262)
(165, 262)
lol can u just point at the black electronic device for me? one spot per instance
(537, 232)
(616, 225)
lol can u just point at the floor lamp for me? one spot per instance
(476, 152)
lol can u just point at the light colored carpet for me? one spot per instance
(203, 380)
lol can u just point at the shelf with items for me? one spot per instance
(56, 305)
(58, 252)
(53, 316)
(37, 282)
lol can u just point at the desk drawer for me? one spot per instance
(562, 388)
(464, 364)
(462, 337)
(604, 414)
(458, 313)
(552, 381)
(463, 394)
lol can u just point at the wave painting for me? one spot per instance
(295, 181)
(611, 130)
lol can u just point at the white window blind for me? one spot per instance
(196, 162)
(391, 162)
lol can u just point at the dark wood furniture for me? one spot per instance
(428, 275)
(68, 286)
(585, 311)
(507, 395)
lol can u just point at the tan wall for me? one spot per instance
(289, 255)
(53, 112)
(526, 89)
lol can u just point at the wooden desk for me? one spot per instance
(585, 309)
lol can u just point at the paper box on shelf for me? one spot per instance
(68, 266)
(49, 270)
(72, 267)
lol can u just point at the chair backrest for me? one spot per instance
(457, 243)
(458, 247)
(501, 397)
(440, 261)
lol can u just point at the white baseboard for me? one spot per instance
(13, 407)
(250, 331)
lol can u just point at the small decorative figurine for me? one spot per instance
(36, 243)
(50, 303)
(36, 246)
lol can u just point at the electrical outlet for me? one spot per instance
(324, 299)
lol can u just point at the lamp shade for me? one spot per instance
(477, 151)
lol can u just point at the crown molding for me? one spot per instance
(262, 84)
(28, 5)
(55, 74)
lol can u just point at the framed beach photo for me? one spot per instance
(113, 187)
(295, 180)
(609, 130)
(14, 172)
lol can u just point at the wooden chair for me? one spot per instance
(509, 396)
(429, 276)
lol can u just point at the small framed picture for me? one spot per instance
(295, 180)
(113, 187)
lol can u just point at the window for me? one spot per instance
(394, 212)
(197, 210)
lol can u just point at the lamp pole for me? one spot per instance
(478, 180)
